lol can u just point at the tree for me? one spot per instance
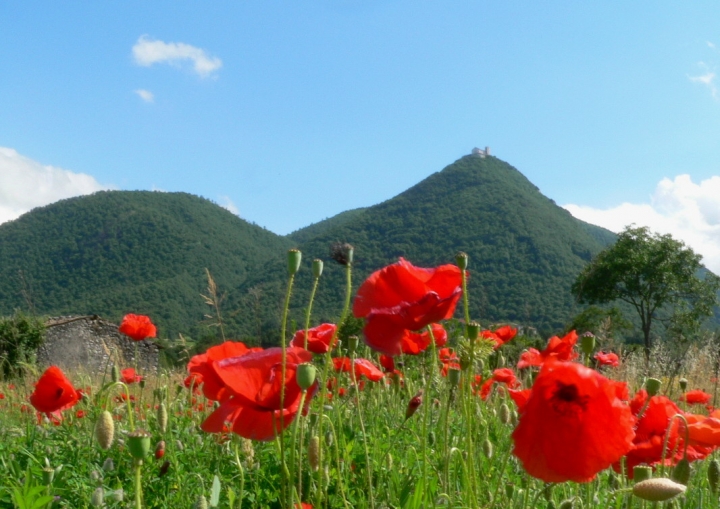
(652, 273)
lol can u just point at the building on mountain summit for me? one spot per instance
(478, 152)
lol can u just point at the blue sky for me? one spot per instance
(291, 112)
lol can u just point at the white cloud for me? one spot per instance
(26, 184)
(148, 52)
(146, 95)
(707, 79)
(227, 203)
(689, 212)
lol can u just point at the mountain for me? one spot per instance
(524, 250)
(118, 252)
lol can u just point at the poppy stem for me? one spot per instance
(242, 472)
(283, 346)
(368, 464)
(293, 451)
(316, 280)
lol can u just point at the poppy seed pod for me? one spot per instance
(658, 490)
(317, 268)
(652, 386)
(713, 475)
(683, 384)
(162, 417)
(294, 259)
(587, 343)
(472, 330)
(453, 376)
(642, 473)
(139, 443)
(48, 474)
(105, 430)
(461, 259)
(305, 375)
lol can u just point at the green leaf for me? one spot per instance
(215, 492)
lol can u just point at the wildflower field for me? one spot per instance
(421, 411)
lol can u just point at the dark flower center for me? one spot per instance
(567, 399)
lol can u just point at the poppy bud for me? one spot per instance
(179, 445)
(97, 499)
(201, 503)
(431, 438)
(568, 504)
(389, 462)
(642, 473)
(314, 453)
(160, 449)
(139, 443)
(116, 495)
(652, 386)
(681, 472)
(317, 268)
(487, 448)
(413, 405)
(329, 438)
(504, 414)
(683, 384)
(164, 468)
(353, 342)
(461, 259)
(587, 343)
(454, 376)
(509, 490)
(305, 375)
(658, 490)
(162, 417)
(500, 360)
(141, 383)
(473, 330)
(115, 373)
(48, 474)
(713, 475)
(294, 259)
(105, 430)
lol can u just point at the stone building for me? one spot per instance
(88, 343)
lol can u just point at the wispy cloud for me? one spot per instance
(707, 79)
(227, 203)
(146, 95)
(686, 210)
(26, 184)
(147, 52)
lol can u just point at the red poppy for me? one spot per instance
(696, 397)
(80, 414)
(504, 376)
(573, 424)
(501, 335)
(607, 359)
(318, 338)
(520, 397)
(403, 297)
(53, 392)
(137, 327)
(559, 348)
(201, 366)
(363, 367)
(449, 360)
(254, 384)
(413, 343)
(650, 430)
(387, 363)
(129, 376)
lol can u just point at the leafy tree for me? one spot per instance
(20, 337)
(652, 273)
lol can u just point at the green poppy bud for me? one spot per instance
(453, 376)
(681, 472)
(652, 386)
(487, 448)
(305, 375)
(317, 268)
(509, 490)
(713, 475)
(461, 259)
(139, 443)
(504, 414)
(294, 259)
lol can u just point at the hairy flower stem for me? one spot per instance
(368, 464)
(323, 382)
(283, 346)
(294, 450)
(242, 473)
(316, 280)
(137, 465)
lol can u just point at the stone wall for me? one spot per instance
(86, 342)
